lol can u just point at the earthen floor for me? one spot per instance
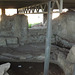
(28, 52)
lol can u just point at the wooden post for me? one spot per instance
(17, 11)
(3, 11)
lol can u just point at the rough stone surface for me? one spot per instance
(13, 45)
(66, 66)
(36, 53)
(71, 55)
(64, 28)
(17, 26)
(4, 68)
(2, 41)
(20, 27)
(13, 26)
(12, 40)
(63, 38)
(36, 35)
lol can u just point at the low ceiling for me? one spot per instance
(24, 3)
(19, 3)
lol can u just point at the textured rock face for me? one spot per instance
(36, 35)
(64, 33)
(2, 41)
(63, 37)
(13, 30)
(71, 55)
(64, 28)
(4, 68)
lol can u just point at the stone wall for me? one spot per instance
(63, 37)
(13, 30)
(63, 31)
(36, 35)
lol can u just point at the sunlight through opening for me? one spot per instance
(10, 12)
(32, 18)
(35, 18)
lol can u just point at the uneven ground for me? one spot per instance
(25, 68)
(28, 59)
(29, 53)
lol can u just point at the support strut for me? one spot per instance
(48, 39)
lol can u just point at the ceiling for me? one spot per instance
(19, 3)
(24, 3)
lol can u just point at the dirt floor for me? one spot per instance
(28, 68)
(29, 52)
(28, 60)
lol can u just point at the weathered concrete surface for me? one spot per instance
(4, 68)
(12, 40)
(2, 41)
(64, 28)
(36, 53)
(20, 27)
(17, 27)
(13, 30)
(65, 65)
(71, 55)
(36, 35)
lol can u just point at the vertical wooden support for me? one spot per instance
(3, 11)
(44, 18)
(17, 11)
(45, 14)
(48, 40)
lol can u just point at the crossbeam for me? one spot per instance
(41, 8)
(34, 9)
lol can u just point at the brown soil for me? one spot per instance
(28, 68)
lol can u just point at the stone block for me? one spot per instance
(11, 41)
(4, 68)
(71, 55)
(13, 45)
(2, 41)
(14, 26)
(20, 27)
